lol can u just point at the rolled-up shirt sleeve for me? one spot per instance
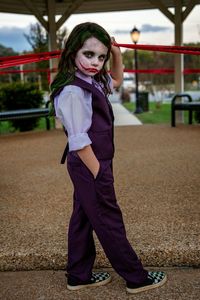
(74, 109)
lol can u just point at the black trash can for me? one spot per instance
(144, 100)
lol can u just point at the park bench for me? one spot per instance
(188, 105)
(27, 113)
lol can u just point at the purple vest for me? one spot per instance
(101, 130)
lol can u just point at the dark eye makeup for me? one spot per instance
(102, 57)
(90, 54)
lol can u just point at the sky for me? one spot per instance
(155, 28)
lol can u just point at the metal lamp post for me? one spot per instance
(135, 34)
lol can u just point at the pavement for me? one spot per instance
(122, 116)
(156, 170)
(182, 284)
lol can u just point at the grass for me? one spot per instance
(156, 115)
(42, 124)
(6, 127)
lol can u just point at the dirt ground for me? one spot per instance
(157, 181)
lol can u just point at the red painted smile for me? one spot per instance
(92, 70)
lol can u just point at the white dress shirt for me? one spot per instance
(73, 107)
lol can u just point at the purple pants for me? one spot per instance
(95, 208)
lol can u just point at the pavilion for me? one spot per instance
(64, 8)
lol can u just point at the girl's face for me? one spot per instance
(91, 57)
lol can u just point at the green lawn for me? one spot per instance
(156, 114)
(5, 127)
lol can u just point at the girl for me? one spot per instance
(80, 92)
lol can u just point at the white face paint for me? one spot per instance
(91, 57)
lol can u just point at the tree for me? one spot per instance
(192, 62)
(159, 60)
(38, 39)
(5, 51)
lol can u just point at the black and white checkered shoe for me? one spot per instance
(154, 280)
(97, 279)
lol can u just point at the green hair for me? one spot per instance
(75, 41)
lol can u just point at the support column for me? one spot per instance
(53, 63)
(178, 60)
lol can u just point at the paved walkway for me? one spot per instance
(122, 116)
(182, 284)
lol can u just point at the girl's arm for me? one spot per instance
(116, 65)
(69, 107)
(89, 159)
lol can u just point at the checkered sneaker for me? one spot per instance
(97, 279)
(154, 279)
(99, 276)
(157, 277)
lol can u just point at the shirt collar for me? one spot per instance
(83, 77)
(90, 80)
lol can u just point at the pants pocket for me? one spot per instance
(99, 172)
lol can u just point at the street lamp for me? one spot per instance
(135, 34)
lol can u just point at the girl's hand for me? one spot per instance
(96, 170)
(115, 48)
(89, 159)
